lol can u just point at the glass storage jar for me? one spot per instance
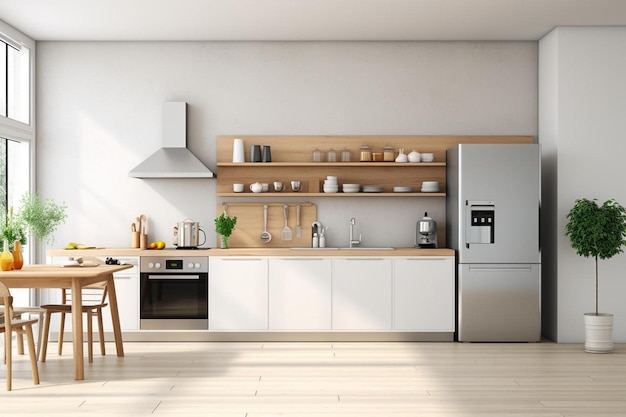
(389, 154)
(332, 156)
(345, 155)
(366, 153)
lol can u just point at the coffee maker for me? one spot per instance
(426, 233)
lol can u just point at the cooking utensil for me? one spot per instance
(133, 227)
(286, 230)
(298, 227)
(266, 237)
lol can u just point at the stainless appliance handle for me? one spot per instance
(156, 277)
(500, 268)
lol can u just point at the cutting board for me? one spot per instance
(247, 232)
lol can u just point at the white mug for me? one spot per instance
(238, 188)
(266, 187)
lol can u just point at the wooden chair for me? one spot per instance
(18, 313)
(94, 300)
(10, 326)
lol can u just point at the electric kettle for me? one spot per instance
(187, 234)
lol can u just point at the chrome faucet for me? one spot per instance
(352, 241)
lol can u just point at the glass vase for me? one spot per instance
(6, 258)
(18, 256)
(224, 242)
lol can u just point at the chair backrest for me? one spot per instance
(6, 300)
(91, 295)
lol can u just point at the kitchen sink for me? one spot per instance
(355, 248)
(362, 248)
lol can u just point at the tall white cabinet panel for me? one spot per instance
(300, 294)
(423, 294)
(238, 298)
(362, 294)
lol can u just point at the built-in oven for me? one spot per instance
(174, 293)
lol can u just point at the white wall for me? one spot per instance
(99, 115)
(582, 118)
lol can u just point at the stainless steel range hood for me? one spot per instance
(173, 160)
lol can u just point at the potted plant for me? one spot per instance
(599, 232)
(224, 225)
(41, 216)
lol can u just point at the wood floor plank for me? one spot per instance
(338, 379)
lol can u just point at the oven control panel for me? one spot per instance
(174, 264)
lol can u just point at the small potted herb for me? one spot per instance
(599, 232)
(224, 225)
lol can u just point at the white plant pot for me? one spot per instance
(598, 332)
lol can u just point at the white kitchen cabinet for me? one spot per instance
(126, 290)
(423, 294)
(361, 293)
(300, 294)
(238, 293)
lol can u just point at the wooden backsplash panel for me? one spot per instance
(247, 233)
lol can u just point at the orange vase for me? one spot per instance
(6, 258)
(18, 256)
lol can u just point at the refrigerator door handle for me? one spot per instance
(478, 268)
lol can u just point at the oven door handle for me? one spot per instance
(161, 277)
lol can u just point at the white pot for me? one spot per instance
(598, 332)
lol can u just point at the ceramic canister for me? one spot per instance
(238, 154)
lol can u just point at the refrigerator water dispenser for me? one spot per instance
(480, 223)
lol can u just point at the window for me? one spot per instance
(14, 80)
(17, 121)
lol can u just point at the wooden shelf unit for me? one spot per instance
(292, 160)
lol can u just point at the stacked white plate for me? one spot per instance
(399, 189)
(330, 184)
(372, 189)
(351, 188)
(430, 187)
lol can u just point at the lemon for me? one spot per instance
(160, 244)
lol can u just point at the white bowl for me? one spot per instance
(430, 184)
(331, 178)
(427, 157)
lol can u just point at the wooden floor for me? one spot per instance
(326, 379)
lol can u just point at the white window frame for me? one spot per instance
(13, 129)
(24, 132)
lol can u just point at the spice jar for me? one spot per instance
(366, 153)
(317, 156)
(389, 154)
(332, 156)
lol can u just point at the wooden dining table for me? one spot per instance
(76, 278)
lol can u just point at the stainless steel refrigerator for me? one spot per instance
(493, 203)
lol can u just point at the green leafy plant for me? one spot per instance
(596, 231)
(12, 230)
(41, 216)
(224, 225)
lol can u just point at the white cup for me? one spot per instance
(266, 187)
(295, 185)
(278, 186)
(238, 188)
